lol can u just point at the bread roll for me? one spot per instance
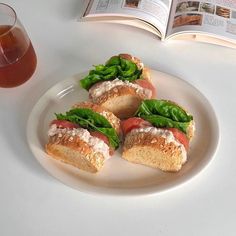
(77, 148)
(155, 148)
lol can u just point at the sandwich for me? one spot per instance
(158, 136)
(120, 85)
(84, 137)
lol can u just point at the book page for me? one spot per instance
(155, 12)
(212, 17)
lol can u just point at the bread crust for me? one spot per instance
(153, 151)
(191, 130)
(113, 120)
(123, 101)
(75, 152)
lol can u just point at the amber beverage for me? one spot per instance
(17, 56)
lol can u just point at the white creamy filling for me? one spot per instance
(97, 144)
(168, 135)
(108, 85)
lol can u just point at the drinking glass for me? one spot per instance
(17, 56)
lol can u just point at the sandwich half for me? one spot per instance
(158, 136)
(84, 137)
(120, 85)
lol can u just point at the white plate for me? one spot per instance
(119, 177)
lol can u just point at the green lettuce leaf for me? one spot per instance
(115, 67)
(162, 113)
(163, 122)
(91, 120)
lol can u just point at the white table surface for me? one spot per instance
(34, 203)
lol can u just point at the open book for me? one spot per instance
(212, 21)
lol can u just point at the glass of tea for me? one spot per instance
(17, 56)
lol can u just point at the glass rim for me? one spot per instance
(14, 15)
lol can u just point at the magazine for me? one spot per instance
(212, 21)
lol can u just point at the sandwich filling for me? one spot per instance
(166, 134)
(106, 86)
(98, 145)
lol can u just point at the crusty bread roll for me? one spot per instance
(122, 101)
(154, 149)
(77, 146)
(75, 152)
(122, 97)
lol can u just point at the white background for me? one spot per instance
(34, 203)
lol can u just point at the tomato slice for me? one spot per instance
(133, 123)
(147, 85)
(180, 136)
(64, 124)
